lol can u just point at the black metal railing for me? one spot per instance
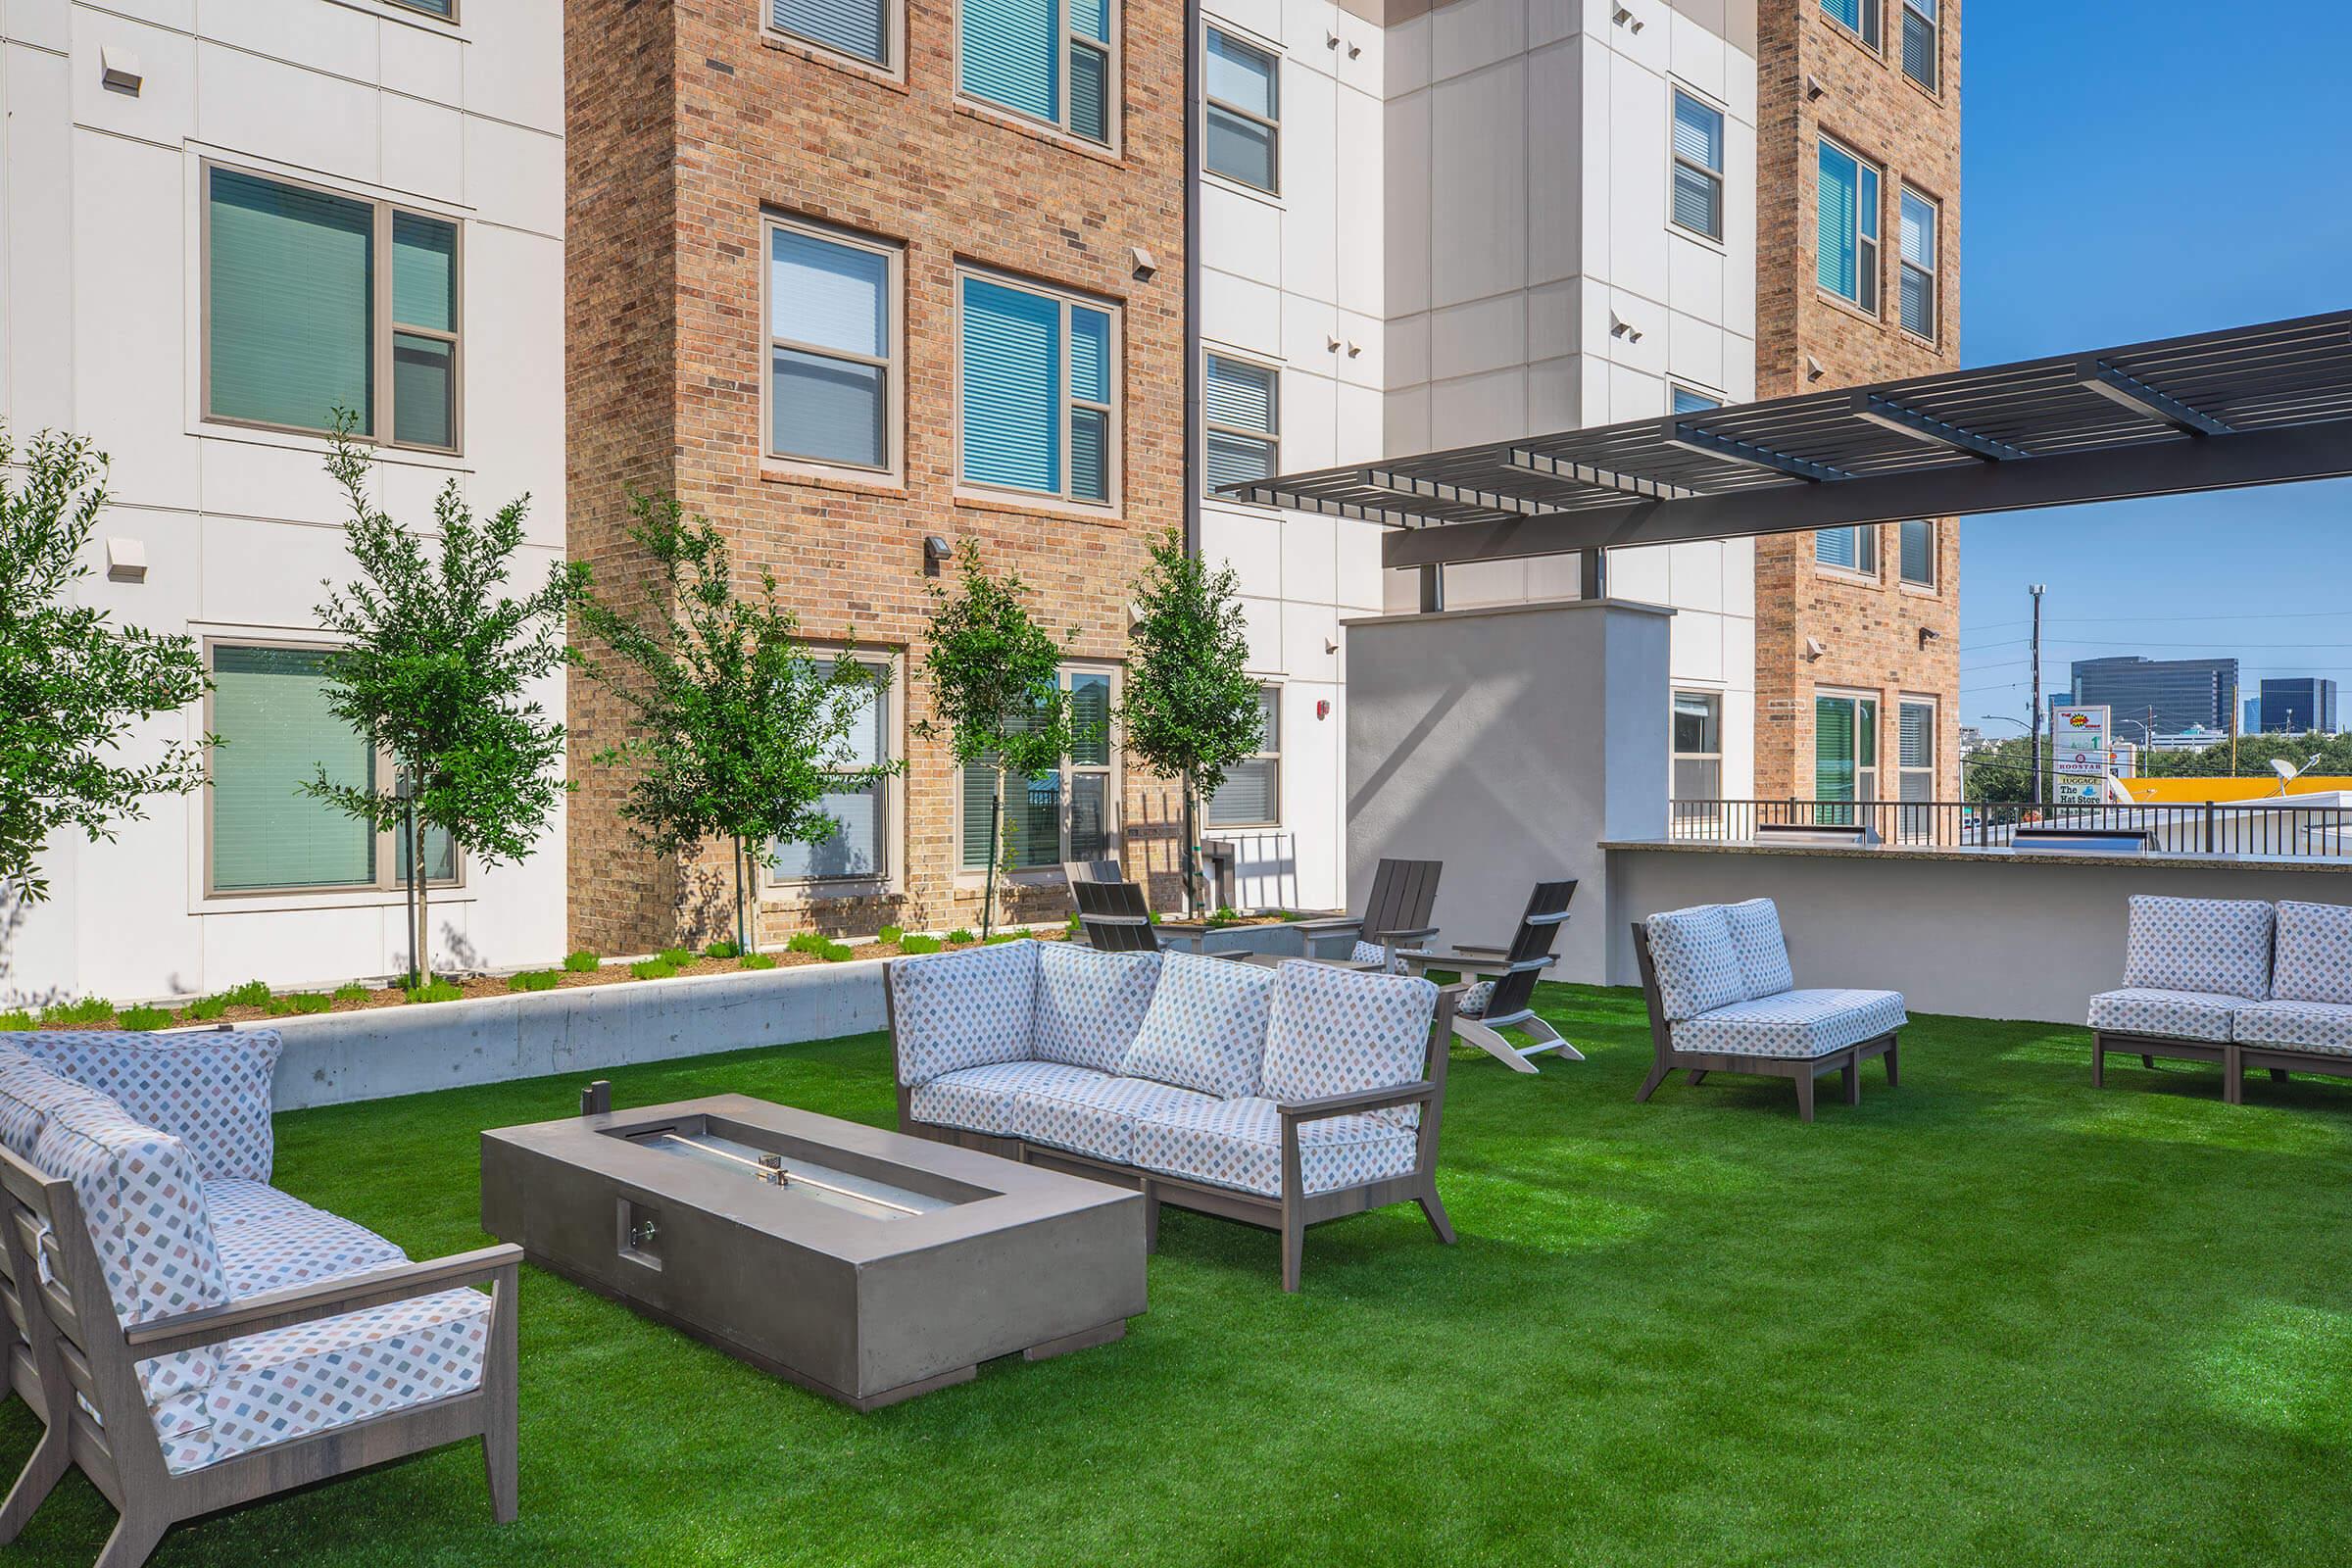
(2274, 827)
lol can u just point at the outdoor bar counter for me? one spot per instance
(1977, 932)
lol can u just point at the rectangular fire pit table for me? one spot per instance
(863, 1264)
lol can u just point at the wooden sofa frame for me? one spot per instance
(2240, 1057)
(67, 1351)
(1295, 1209)
(1803, 1070)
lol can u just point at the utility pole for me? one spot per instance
(2038, 590)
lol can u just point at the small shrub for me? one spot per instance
(835, 951)
(912, 946)
(1288, 915)
(534, 980)
(959, 935)
(1155, 916)
(724, 948)
(90, 1010)
(306, 1002)
(995, 937)
(278, 1006)
(1075, 926)
(582, 963)
(677, 957)
(812, 943)
(757, 961)
(653, 968)
(17, 1019)
(143, 1017)
(438, 991)
(351, 993)
(252, 993)
(205, 1010)
(890, 933)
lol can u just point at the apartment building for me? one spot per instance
(1858, 202)
(847, 277)
(218, 222)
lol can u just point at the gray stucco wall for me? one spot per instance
(1977, 936)
(1507, 743)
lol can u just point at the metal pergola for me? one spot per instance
(2247, 405)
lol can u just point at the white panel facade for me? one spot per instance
(102, 331)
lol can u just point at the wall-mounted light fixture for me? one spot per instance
(1814, 647)
(1625, 18)
(127, 560)
(1813, 370)
(1929, 634)
(1813, 87)
(1145, 265)
(118, 70)
(936, 551)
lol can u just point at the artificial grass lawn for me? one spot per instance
(1991, 1316)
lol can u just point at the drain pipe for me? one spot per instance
(1194, 115)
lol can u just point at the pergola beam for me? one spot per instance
(1408, 484)
(1890, 415)
(1544, 465)
(1690, 437)
(2173, 466)
(2097, 375)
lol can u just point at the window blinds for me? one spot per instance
(1012, 53)
(853, 27)
(270, 709)
(1012, 366)
(290, 278)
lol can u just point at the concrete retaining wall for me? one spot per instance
(338, 1057)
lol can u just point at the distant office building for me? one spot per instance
(2298, 703)
(2166, 695)
(2251, 720)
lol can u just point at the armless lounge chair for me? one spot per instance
(1114, 917)
(1504, 996)
(1396, 916)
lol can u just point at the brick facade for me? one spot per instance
(1870, 633)
(689, 124)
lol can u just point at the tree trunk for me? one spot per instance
(995, 852)
(742, 942)
(423, 953)
(1191, 858)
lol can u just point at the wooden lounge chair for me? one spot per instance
(1078, 872)
(1503, 999)
(1396, 916)
(1115, 916)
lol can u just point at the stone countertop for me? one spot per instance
(1914, 851)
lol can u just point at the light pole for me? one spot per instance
(2038, 590)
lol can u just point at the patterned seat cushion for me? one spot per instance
(2322, 1026)
(980, 1098)
(962, 1009)
(1090, 1004)
(1696, 960)
(1206, 1026)
(290, 1383)
(1763, 955)
(1792, 1023)
(209, 1090)
(1376, 953)
(1341, 1031)
(232, 1203)
(28, 1092)
(1094, 1113)
(2166, 1014)
(2315, 954)
(2217, 946)
(297, 1245)
(1475, 998)
(1238, 1143)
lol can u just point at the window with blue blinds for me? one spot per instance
(1039, 394)
(1920, 42)
(1686, 401)
(1919, 553)
(1852, 548)
(860, 27)
(1698, 166)
(1242, 404)
(830, 345)
(1049, 59)
(1917, 234)
(1847, 203)
(270, 709)
(1859, 17)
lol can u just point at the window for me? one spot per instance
(1849, 195)
(1920, 42)
(1036, 392)
(1919, 554)
(1858, 16)
(859, 29)
(1698, 745)
(1243, 406)
(1854, 549)
(1845, 751)
(1686, 401)
(1918, 226)
(301, 319)
(446, 10)
(861, 812)
(269, 704)
(1242, 136)
(1063, 815)
(832, 394)
(1698, 166)
(1047, 58)
(1252, 793)
(1915, 761)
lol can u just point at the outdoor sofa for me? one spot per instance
(1277, 1096)
(192, 1337)
(1723, 997)
(2239, 982)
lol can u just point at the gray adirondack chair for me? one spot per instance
(1505, 997)
(1394, 917)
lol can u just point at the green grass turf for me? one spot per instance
(1992, 1316)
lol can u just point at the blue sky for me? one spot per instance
(2137, 171)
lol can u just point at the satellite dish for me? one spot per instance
(2287, 771)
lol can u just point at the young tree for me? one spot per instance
(1191, 708)
(996, 691)
(434, 666)
(740, 731)
(71, 683)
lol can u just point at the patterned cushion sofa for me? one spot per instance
(2239, 982)
(1278, 1097)
(1723, 997)
(195, 1338)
